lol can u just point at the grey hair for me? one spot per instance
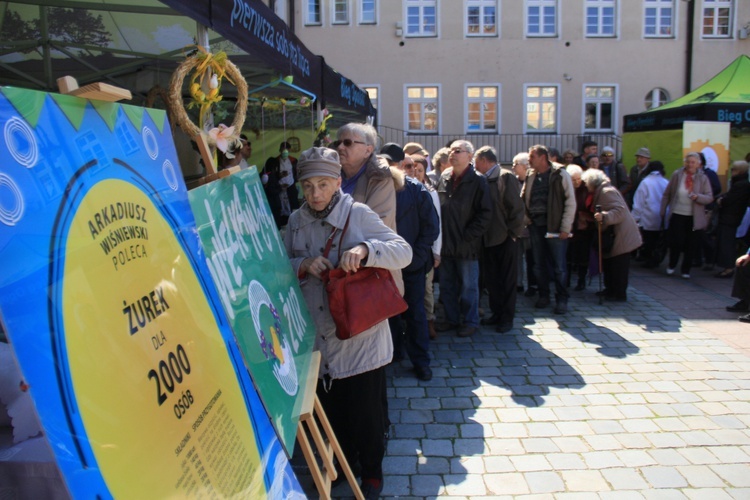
(487, 152)
(574, 169)
(694, 155)
(441, 156)
(469, 147)
(522, 158)
(363, 131)
(593, 178)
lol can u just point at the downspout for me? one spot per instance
(291, 16)
(689, 48)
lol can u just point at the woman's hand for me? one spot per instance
(315, 265)
(352, 258)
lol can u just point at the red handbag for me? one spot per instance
(360, 300)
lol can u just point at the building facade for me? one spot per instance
(520, 69)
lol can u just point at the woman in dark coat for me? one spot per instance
(732, 207)
(615, 213)
(579, 248)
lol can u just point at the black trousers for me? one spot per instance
(726, 246)
(741, 285)
(682, 238)
(616, 271)
(354, 406)
(500, 278)
(410, 328)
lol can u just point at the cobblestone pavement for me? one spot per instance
(621, 401)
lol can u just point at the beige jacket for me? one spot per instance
(306, 236)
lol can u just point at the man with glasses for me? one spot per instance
(613, 169)
(466, 210)
(550, 209)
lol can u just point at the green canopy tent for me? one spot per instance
(724, 98)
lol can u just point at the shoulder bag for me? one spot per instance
(362, 299)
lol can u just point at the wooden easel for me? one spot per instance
(313, 420)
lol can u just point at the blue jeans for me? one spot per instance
(459, 290)
(549, 258)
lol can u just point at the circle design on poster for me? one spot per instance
(167, 169)
(11, 201)
(149, 372)
(712, 159)
(149, 140)
(21, 142)
(272, 341)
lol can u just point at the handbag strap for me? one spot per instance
(329, 242)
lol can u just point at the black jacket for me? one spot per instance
(733, 203)
(465, 210)
(507, 207)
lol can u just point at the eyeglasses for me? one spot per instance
(346, 142)
(607, 155)
(458, 150)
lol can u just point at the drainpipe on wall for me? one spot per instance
(689, 48)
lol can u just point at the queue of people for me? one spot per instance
(461, 219)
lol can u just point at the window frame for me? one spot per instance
(308, 5)
(421, 4)
(481, 4)
(600, 5)
(585, 100)
(526, 129)
(422, 131)
(496, 100)
(334, 20)
(360, 11)
(659, 6)
(542, 4)
(718, 4)
(378, 99)
(651, 93)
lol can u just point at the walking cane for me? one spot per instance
(601, 268)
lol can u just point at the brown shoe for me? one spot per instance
(445, 326)
(467, 331)
(431, 329)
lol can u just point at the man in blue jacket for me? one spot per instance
(416, 222)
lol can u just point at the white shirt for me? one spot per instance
(647, 202)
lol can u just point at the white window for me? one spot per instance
(600, 18)
(422, 109)
(541, 18)
(656, 98)
(312, 13)
(541, 108)
(598, 108)
(482, 108)
(717, 18)
(421, 17)
(658, 18)
(373, 92)
(340, 14)
(481, 18)
(367, 12)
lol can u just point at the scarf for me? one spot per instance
(689, 182)
(327, 210)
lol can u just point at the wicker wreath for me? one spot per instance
(177, 110)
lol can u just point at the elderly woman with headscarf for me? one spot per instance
(686, 196)
(351, 380)
(614, 213)
(579, 248)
